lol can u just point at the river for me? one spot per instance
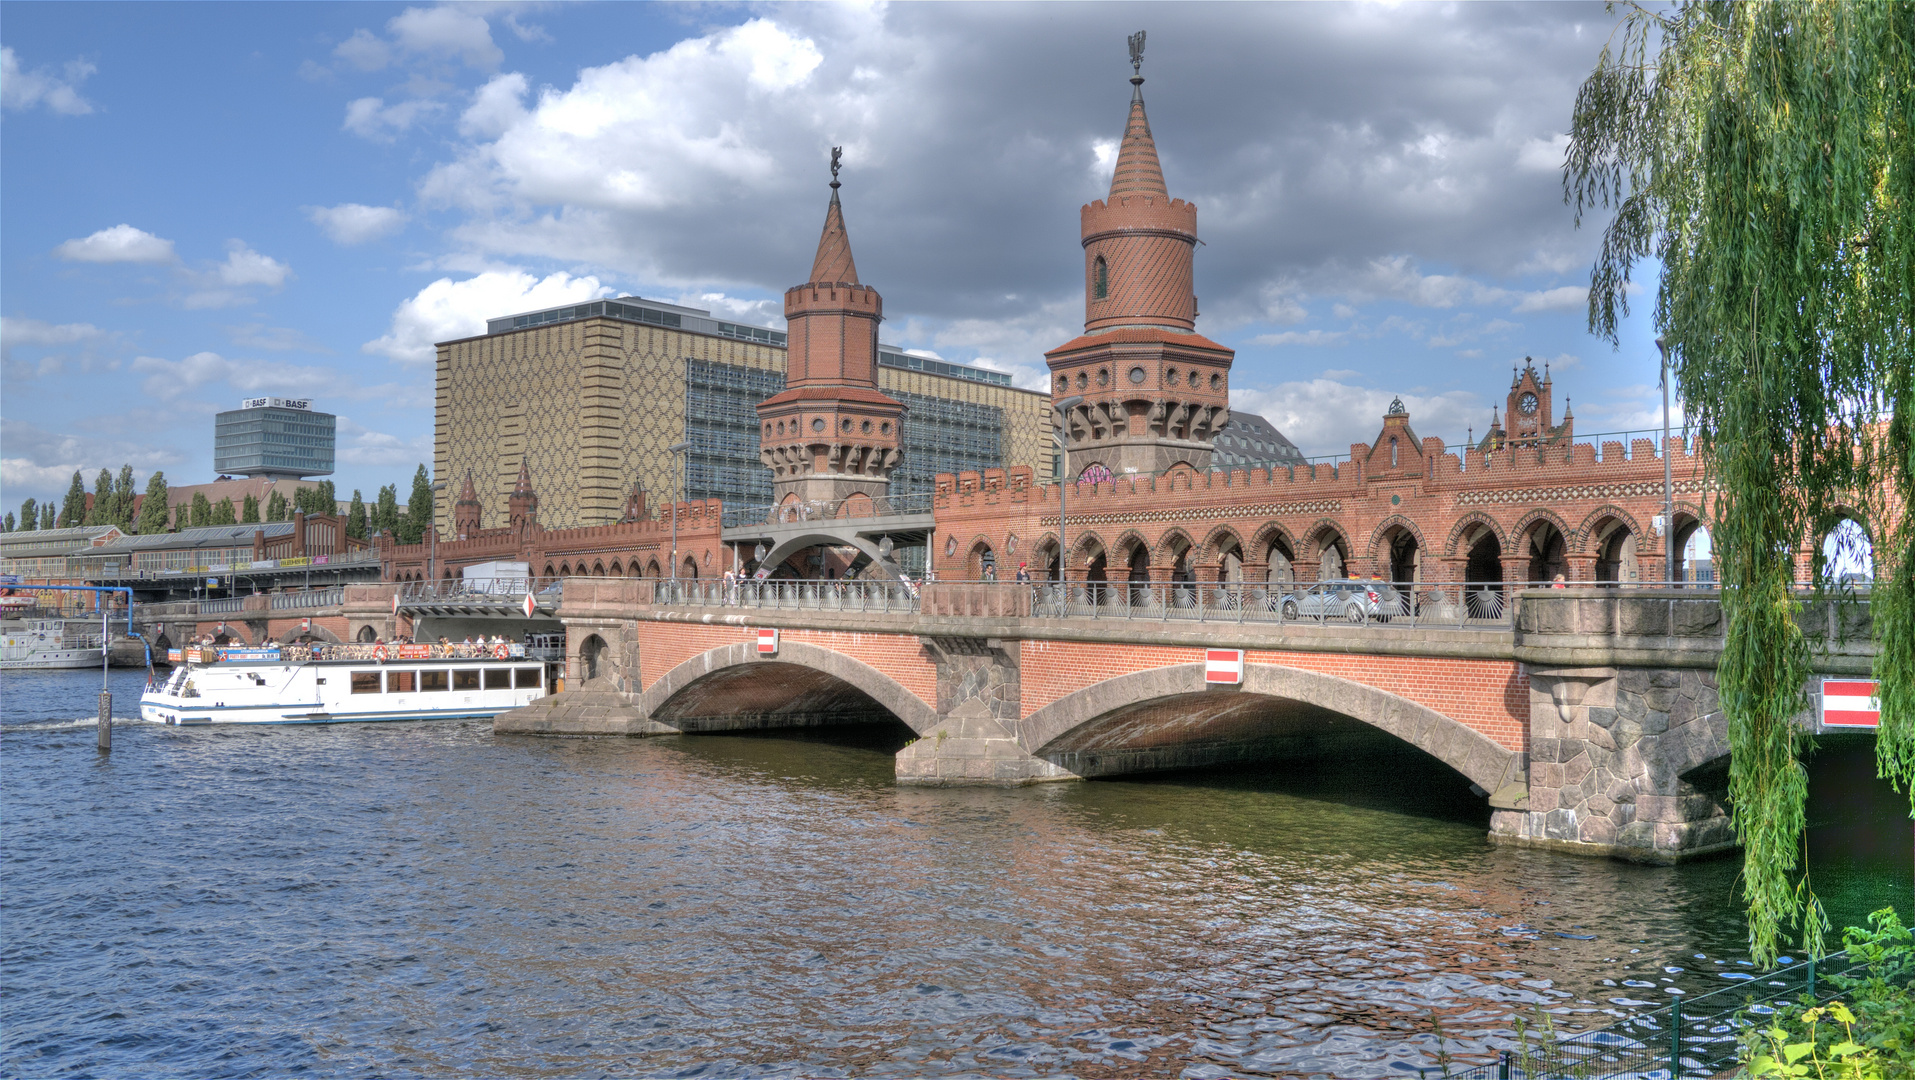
(429, 900)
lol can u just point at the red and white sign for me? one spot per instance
(531, 606)
(767, 643)
(395, 603)
(1850, 703)
(305, 626)
(1223, 667)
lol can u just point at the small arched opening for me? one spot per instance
(1615, 546)
(1548, 555)
(1137, 573)
(1848, 555)
(1333, 558)
(689, 571)
(1483, 575)
(367, 635)
(1281, 562)
(981, 563)
(591, 657)
(1405, 556)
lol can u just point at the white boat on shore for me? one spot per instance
(343, 684)
(46, 645)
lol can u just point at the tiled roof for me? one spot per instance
(834, 262)
(1138, 172)
(1137, 335)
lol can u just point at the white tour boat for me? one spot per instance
(46, 644)
(344, 684)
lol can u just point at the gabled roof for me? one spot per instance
(208, 537)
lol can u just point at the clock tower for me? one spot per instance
(1530, 414)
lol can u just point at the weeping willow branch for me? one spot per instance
(1762, 153)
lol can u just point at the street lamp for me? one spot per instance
(1669, 565)
(674, 450)
(1061, 434)
(432, 553)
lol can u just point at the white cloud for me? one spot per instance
(447, 32)
(168, 379)
(448, 309)
(18, 331)
(21, 90)
(1566, 298)
(121, 243)
(355, 223)
(702, 123)
(364, 50)
(40, 463)
(360, 445)
(525, 31)
(1544, 155)
(244, 266)
(1302, 337)
(1324, 416)
(496, 107)
(371, 118)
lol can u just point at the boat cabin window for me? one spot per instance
(365, 682)
(466, 680)
(399, 682)
(527, 678)
(432, 680)
(498, 678)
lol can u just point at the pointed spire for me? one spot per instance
(834, 262)
(1138, 172)
(468, 493)
(524, 486)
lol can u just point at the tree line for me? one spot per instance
(114, 503)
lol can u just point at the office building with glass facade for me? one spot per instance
(273, 437)
(590, 397)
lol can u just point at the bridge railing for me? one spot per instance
(309, 598)
(876, 597)
(1349, 602)
(856, 507)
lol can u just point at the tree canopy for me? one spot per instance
(1761, 153)
(154, 510)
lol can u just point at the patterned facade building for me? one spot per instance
(589, 397)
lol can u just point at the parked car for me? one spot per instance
(1351, 601)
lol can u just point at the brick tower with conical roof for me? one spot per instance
(1155, 392)
(831, 434)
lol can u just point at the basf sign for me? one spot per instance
(302, 404)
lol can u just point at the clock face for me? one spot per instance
(1527, 404)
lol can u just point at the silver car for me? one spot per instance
(1351, 601)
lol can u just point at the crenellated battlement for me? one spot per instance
(833, 296)
(1138, 213)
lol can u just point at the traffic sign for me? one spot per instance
(767, 643)
(1850, 703)
(1223, 667)
(531, 606)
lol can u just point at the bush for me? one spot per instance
(1871, 1036)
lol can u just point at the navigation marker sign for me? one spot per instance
(767, 643)
(1223, 667)
(531, 606)
(1850, 703)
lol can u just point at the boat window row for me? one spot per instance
(406, 682)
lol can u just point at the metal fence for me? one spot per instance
(1357, 603)
(1694, 1036)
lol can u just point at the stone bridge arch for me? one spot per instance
(802, 679)
(1168, 715)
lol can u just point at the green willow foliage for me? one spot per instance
(1763, 154)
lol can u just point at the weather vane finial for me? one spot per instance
(1137, 53)
(837, 156)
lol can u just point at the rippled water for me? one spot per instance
(426, 899)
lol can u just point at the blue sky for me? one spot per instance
(207, 202)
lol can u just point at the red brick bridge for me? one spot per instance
(1586, 717)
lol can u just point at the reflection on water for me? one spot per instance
(427, 899)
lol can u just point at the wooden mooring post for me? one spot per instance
(106, 720)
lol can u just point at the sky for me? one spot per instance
(207, 202)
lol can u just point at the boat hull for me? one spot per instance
(256, 687)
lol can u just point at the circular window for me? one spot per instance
(1196, 379)
(1083, 380)
(1170, 377)
(1216, 382)
(847, 423)
(781, 427)
(1137, 375)
(1063, 382)
(1103, 376)
(884, 429)
(818, 425)
(866, 428)
(1396, 500)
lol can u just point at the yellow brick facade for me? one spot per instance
(591, 405)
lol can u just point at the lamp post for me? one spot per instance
(1669, 565)
(1062, 435)
(675, 450)
(432, 553)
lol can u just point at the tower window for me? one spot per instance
(1099, 279)
(1393, 453)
